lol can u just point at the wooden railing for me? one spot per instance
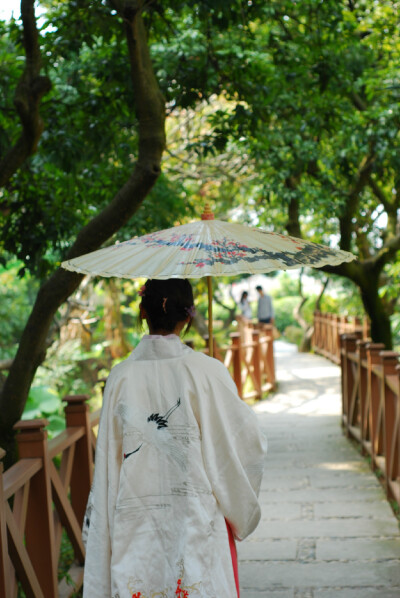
(328, 328)
(250, 359)
(45, 492)
(371, 405)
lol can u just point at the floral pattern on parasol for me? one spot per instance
(206, 248)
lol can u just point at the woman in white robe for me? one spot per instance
(177, 454)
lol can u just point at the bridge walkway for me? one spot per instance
(327, 530)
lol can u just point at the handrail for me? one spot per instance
(64, 440)
(327, 329)
(370, 378)
(250, 359)
(371, 405)
(19, 475)
(45, 500)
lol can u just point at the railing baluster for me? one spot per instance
(4, 579)
(257, 362)
(348, 344)
(270, 363)
(77, 415)
(363, 392)
(39, 528)
(374, 362)
(390, 360)
(237, 361)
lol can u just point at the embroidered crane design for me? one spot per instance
(160, 420)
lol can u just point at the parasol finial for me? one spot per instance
(208, 214)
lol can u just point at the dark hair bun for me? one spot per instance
(166, 302)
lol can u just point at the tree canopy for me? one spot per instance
(314, 108)
(118, 116)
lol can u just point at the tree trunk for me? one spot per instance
(308, 329)
(114, 330)
(150, 111)
(305, 343)
(200, 324)
(380, 322)
(367, 280)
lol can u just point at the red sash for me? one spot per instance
(232, 546)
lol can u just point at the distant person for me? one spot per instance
(265, 310)
(245, 307)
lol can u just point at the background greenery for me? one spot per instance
(284, 114)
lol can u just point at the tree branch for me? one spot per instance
(345, 220)
(231, 310)
(358, 102)
(351, 270)
(384, 255)
(5, 364)
(29, 92)
(319, 298)
(293, 221)
(390, 207)
(149, 105)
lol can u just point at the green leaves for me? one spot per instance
(44, 401)
(16, 295)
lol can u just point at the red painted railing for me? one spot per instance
(370, 392)
(371, 405)
(328, 328)
(44, 493)
(250, 359)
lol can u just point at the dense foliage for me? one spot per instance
(285, 112)
(312, 108)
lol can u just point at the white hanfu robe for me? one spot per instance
(177, 453)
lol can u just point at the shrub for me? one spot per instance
(284, 312)
(293, 334)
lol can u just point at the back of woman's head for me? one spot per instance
(167, 302)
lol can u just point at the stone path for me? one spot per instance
(327, 530)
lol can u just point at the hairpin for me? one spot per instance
(142, 291)
(191, 311)
(164, 301)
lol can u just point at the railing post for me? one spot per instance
(365, 327)
(216, 351)
(39, 527)
(328, 332)
(356, 323)
(317, 330)
(237, 361)
(269, 329)
(328, 338)
(348, 345)
(335, 338)
(77, 415)
(342, 324)
(390, 361)
(325, 340)
(395, 472)
(257, 362)
(363, 391)
(324, 332)
(373, 350)
(4, 584)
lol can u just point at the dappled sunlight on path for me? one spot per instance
(327, 530)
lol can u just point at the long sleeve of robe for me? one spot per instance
(177, 453)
